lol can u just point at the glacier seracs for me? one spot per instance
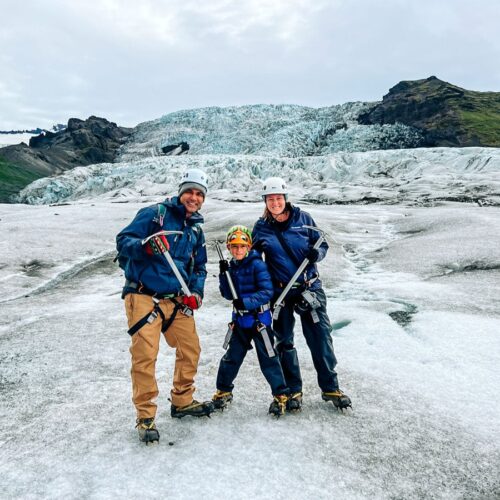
(268, 130)
(413, 176)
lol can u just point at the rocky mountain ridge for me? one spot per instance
(446, 115)
(35, 131)
(82, 142)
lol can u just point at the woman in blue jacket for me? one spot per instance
(280, 234)
(251, 320)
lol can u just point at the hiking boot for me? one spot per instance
(146, 428)
(278, 406)
(195, 409)
(338, 398)
(220, 399)
(294, 402)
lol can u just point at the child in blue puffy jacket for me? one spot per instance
(251, 320)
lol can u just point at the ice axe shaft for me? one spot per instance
(227, 274)
(230, 326)
(170, 261)
(261, 328)
(281, 299)
(228, 336)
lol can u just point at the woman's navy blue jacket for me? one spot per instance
(253, 284)
(299, 240)
(187, 250)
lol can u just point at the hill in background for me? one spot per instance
(446, 115)
(82, 142)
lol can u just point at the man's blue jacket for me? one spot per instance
(187, 250)
(299, 240)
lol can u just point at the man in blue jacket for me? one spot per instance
(280, 234)
(155, 302)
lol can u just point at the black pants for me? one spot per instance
(318, 340)
(239, 345)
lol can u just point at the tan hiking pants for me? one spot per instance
(144, 351)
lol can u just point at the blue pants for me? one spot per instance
(318, 340)
(239, 345)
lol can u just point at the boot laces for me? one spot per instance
(221, 395)
(193, 404)
(338, 393)
(281, 400)
(146, 423)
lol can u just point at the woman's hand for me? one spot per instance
(312, 255)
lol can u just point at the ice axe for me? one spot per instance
(230, 326)
(280, 302)
(227, 274)
(171, 262)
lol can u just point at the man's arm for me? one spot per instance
(129, 239)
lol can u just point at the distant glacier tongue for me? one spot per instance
(414, 176)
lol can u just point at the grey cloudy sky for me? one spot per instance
(131, 61)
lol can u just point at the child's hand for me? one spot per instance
(238, 304)
(223, 266)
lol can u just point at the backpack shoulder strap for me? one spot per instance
(161, 210)
(286, 247)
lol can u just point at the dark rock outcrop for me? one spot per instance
(82, 142)
(446, 115)
(175, 149)
(95, 140)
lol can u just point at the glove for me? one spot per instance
(223, 266)
(312, 255)
(193, 302)
(157, 245)
(238, 304)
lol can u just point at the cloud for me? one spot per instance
(282, 20)
(180, 23)
(132, 61)
(125, 20)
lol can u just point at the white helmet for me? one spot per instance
(194, 178)
(274, 185)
